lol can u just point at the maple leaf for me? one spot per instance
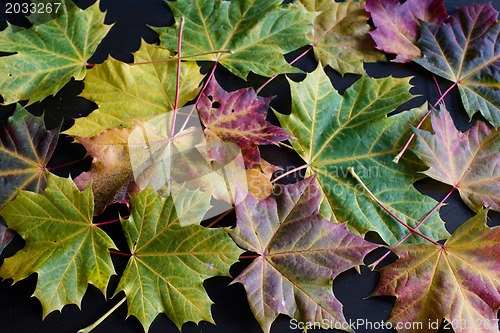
(335, 132)
(458, 282)
(127, 92)
(340, 35)
(51, 52)
(300, 254)
(468, 161)
(171, 162)
(111, 173)
(239, 117)
(464, 51)
(259, 179)
(25, 149)
(62, 245)
(398, 25)
(169, 263)
(244, 36)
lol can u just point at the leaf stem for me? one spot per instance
(285, 145)
(98, 224)
(376, 263)
(106, 315)
(217, 220)
(118, 253)
(291, 63)
(437, 86)
(60, 166)
(178, 77)
(374, 198)
(289, 172)
(179, 57)
(255, 256)
(398, 156)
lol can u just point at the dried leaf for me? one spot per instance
(111, 172)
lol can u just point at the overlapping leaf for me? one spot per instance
(62, 245)
(126, 92)
(466, 51)
(239, 117)
(340, 35)
(51, 52)
(170, 262)
(6, 235)
(300, 254)
(25, 149)
(459, 282)
(244, 36)
(111, 173)
(335, 132)
(469, 161)
(398, 25)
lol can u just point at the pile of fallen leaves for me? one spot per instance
(175, 148)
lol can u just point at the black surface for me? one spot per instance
(20, 313)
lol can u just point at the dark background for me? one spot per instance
(21, 313)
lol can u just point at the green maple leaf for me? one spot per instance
(253, 33)
(51, 52)
(299, 254)
(169, 263)
(340, 35)
(63, 247)
(25, 149)
(465, 51)
(459, 282)
(335, 132)
(469, 161)
(126, 92)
